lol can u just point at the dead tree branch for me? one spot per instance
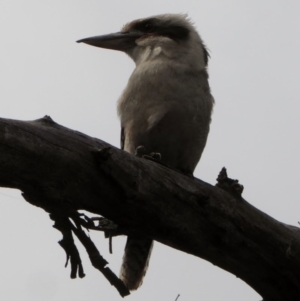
(63, 170)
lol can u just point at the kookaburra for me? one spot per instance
(166, 106)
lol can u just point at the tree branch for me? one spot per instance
(60, 169)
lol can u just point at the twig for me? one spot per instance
(98, 261)
(67, 243)
(65, 226)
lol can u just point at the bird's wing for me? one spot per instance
(156, 117)
(122, 138)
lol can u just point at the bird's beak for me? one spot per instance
(121, 41)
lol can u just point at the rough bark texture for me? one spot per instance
(61, 169)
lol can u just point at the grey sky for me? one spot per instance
(254, 75)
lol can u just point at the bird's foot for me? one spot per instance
(155, 156)
(140, 151)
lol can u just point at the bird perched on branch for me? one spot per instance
(166, 106)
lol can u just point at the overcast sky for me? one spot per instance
(254, 77)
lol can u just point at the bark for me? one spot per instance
(63, 170)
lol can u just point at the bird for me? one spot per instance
(166, 106)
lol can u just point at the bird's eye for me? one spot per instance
(149, 27)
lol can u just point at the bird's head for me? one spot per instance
(170, 35)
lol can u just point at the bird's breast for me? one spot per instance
(160, 87)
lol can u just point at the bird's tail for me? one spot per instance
(135, 261)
